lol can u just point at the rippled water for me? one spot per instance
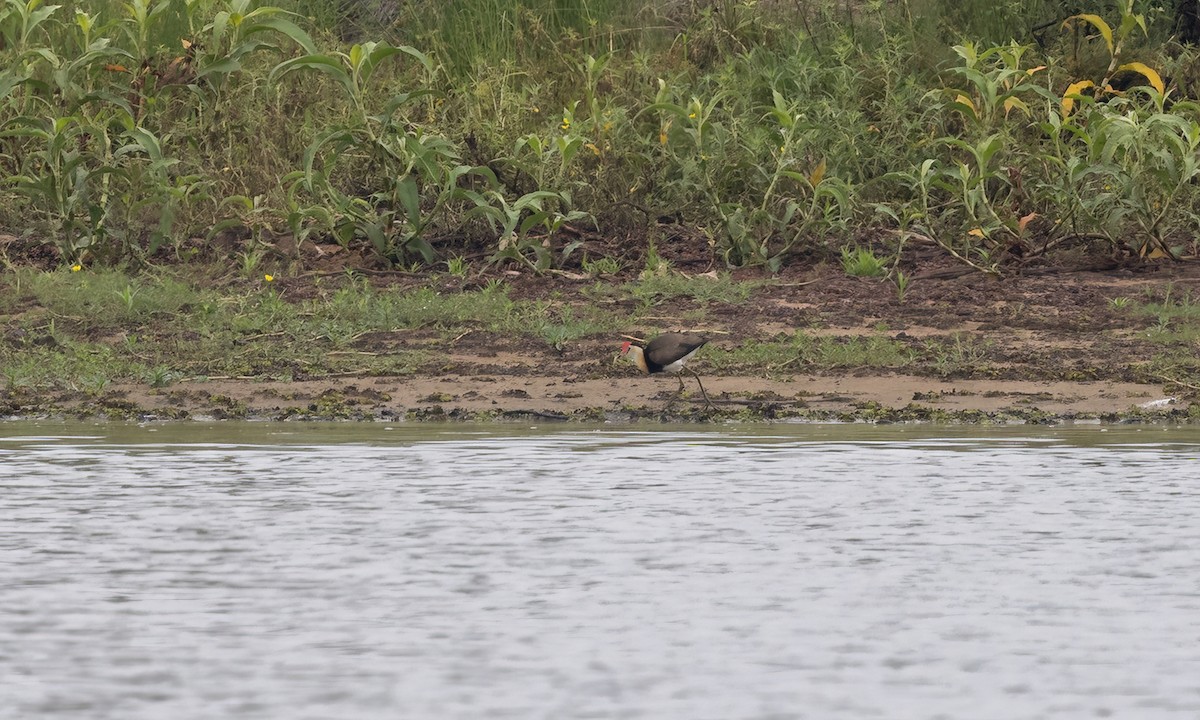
(826, 572)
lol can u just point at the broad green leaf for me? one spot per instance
(285, 27)
(410, 200)
(400, 99)
(967, 52)
(225, 66)
(531, 221)
(147, 141)
(672, 108)
(332, 66)
(422, 246)
(217, 27)
(374, 53)
(9, 81)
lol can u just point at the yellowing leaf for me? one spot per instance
(1147, 72)
(818, 174)
(977, 232)
(1034, 70)
(966, 101)
(1068, 101)
(1099, 24)
(1014, 102)
(1024, 222)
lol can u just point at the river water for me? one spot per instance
(292, 571)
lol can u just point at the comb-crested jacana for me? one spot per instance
(668, 352)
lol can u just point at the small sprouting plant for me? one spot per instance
(959, 354)
(457, 266)
(95, 383)
(902, 282)
(558, 331)
(601, 266)
(862, 262)
(250, 261)
(128, 297)
(655, 263)
(160, 376)
(1119, 303)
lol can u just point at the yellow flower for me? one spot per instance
(691, 116)
(269, 277)
(76, 267)
(536, 109)
(566, 124)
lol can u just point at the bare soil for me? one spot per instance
(1045, 345)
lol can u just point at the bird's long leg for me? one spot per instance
(707, 403)
(677, 392)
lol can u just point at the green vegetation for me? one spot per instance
(861, 262)
(417, 134)
(1175, 335)
(199, 188)
(801, 351)
(84, 330)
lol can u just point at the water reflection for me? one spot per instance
(330, 571)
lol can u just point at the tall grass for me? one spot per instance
(468, 35)
(416, 131)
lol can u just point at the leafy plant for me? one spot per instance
(862, 262)
(902, 283)
(417, 173)
(515, 222)
(599, 267)
(998, 84)
(20, 20)
(236, 31)
(66, 177)
(457, 266)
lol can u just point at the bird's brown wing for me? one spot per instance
(669, 347)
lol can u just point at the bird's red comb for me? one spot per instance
(625, 347)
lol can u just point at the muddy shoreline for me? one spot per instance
(631, 398)
(1120, 345)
